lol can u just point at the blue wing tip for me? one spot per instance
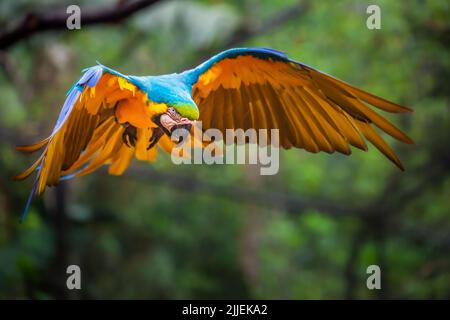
(273, 51)
(30, 199)
(258, 51)
(93, 68)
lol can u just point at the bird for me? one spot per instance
(108, 118)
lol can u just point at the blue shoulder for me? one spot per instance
(263, 53)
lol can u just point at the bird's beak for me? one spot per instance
(172, 122)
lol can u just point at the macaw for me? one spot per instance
(109, 117)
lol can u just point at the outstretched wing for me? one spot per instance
(262, 88)
(88, 132)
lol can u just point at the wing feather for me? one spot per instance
(371, 135)
(33, 147)
(320, 134)
(332, 136)
(306, 140)
(86, 135)
(263, 89)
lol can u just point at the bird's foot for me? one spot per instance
(181, 131)
(157, 133)
(129, 135)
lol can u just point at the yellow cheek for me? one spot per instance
(156, 108)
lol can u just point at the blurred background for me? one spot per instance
(166, 231)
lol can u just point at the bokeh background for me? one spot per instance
(166, 231)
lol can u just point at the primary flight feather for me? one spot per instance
(108, 117)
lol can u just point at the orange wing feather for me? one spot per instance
(92, 135)
(312, 110)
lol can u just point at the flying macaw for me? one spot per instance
(109, 117)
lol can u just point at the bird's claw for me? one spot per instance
(181, 131)
(129, 135)
(157, 133)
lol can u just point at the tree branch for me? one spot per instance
(34, 22)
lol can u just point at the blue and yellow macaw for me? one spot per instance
(109, 117)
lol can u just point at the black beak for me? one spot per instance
(181, 134)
